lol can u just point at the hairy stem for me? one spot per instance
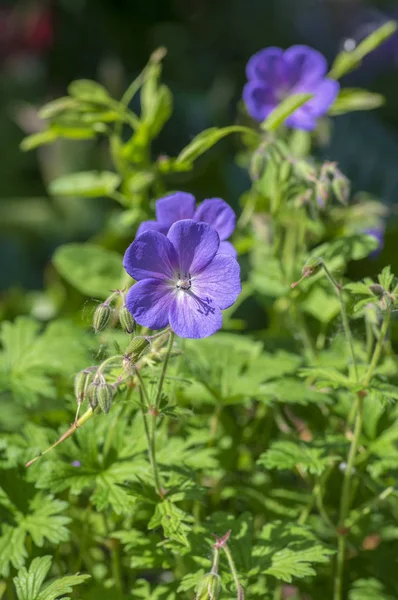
(234, 572)
(345, 504)
(344, 316)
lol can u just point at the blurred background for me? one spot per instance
(46, 44)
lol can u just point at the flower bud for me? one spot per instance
(136, 348)
(209, 587)
(92, 394)
(304, 170)
(126, 320)
(258, 162)
(105, 393)
(101, 317)
(82, 380)
(377, 289)
(341, 188)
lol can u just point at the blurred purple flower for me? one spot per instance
(181, 205)
(275, 74)
(182, 280)
(76, 463)
(378, 233)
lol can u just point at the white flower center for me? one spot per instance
(183, 283)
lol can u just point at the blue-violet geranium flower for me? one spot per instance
(274, 74)
(182, 205)
(182, 279)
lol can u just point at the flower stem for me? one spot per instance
(234, 572)
(153, 411)
(346, 492)
(150, 433)
(164, 369)
(344, 316)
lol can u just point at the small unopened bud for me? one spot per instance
(310, 268)
(82, 380)
(101, 317)
(92, 394)
(377, 289)
(126, 320)
(322, 192)
(341, 187)
(304, 170)
(105, 393)
(258, 161)
(136, 348)
(209, 587)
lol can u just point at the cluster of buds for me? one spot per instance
(105, 311)
(328, 179)
(91, 385)
(332, 177)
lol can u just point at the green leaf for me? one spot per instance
(29, 358)
(288, 551)
(368, 589)
(39, 517)
(350, 99)
(291, 391)
(86, 184)
(289, 455)
(287, 107)
(342, 250)
(157, 105)
(47, 136)
(58, 106)
(207, 138)
(89, 91)
(29, 582)
(175, 522)
(321, 304)
(386, 278)
(91, 269)
(347, 61)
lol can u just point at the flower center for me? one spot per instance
(183, 283)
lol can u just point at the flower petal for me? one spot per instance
(227, 248)
(193, 317)
(151, 226)
(219, 214)
(149, 302)
(259, 99)
(301, 119)
(304, 64)
(324, 95)
(219, 281)
(174, 208)
(266, 66)
(196, 245)
(151, 255)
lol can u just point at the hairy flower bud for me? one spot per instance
(209, 587)
(341, 188)
(126, 320)
(82, 379)
(304, 170)
(377, 289)
(105, 393)
(101, 317)
(92, 394)
(136, 348)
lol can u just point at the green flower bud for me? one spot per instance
(304, 170)
(82, 380)
(312, 266)
(105, 393)
(258, 162)
(101, 317)
(341, 188)
(377, 289)
(209, 587)
(136, 348)
(92, 394)
(126, 320)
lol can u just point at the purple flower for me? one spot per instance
(181, 205)
(274, 74)
(182, 279)
(378, 233)
(76, 463)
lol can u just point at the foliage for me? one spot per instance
(266, 453)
